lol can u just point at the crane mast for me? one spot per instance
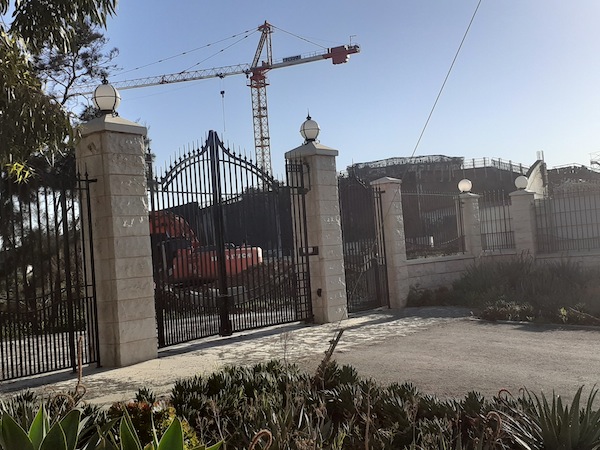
(257, 81)
(258, 86)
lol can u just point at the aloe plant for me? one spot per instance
(172, 439)
(62, 435)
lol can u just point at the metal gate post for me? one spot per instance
(224, 296)
(68, 283)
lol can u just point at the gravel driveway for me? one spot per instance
(449, 359)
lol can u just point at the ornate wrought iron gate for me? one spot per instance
(48, 317)
(225, 247)
(363, 241)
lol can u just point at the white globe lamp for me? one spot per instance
(106, 98)
(309, 130)
(521, 182)
(465, 185)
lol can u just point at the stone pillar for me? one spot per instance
(522, 213)
(327, 278)
(112, 151)
(395, 242)
(469, 204)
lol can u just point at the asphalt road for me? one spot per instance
(453, 358)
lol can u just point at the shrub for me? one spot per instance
(297, 412)
(523, 289)
(503, 310)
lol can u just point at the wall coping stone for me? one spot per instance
(386, 180)
(434, 259)
(521, 193)
(311, 149)
(108, 122)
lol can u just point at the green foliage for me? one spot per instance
(503, 310)
(238, 405)
(522, 289)
(84, 62)
(554, 426)
(62, 435)
(149, 419)
(341, 410)
(442, 296)
(31, 121)
(172, 438)
(145, 395)
(42, 26)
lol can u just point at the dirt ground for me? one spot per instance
(454, 358)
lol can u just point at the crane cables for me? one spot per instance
(244, 35)
(299, 37)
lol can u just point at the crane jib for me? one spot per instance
(258, 83)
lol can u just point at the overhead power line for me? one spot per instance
(446, 79)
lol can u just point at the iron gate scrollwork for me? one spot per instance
(224, 247)
(363, 243)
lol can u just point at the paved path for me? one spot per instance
(441, 350)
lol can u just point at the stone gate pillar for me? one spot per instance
(327, 278)
(471, 220)
(395, 242)
(522, 212)
(112, 151)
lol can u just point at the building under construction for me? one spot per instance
(439, 173)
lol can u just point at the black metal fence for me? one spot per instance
(363, 243)
(495, 220)
(569, 220)
(47, 294)
(225, 248)
(433, 224)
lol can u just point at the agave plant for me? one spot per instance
(554, 425)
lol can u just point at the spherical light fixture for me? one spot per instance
(465, 185)
(106, 98)
(309, 130)
(521, 182)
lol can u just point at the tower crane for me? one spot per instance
(257, 81)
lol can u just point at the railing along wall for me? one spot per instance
(433, 224)
(569, 220)
(496, 221)
(496, 163)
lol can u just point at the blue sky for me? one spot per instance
(526, 79)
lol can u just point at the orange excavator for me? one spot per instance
(179, 257)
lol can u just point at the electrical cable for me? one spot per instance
(387, 212)
(446, 79)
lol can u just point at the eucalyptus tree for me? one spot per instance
(31, 120)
